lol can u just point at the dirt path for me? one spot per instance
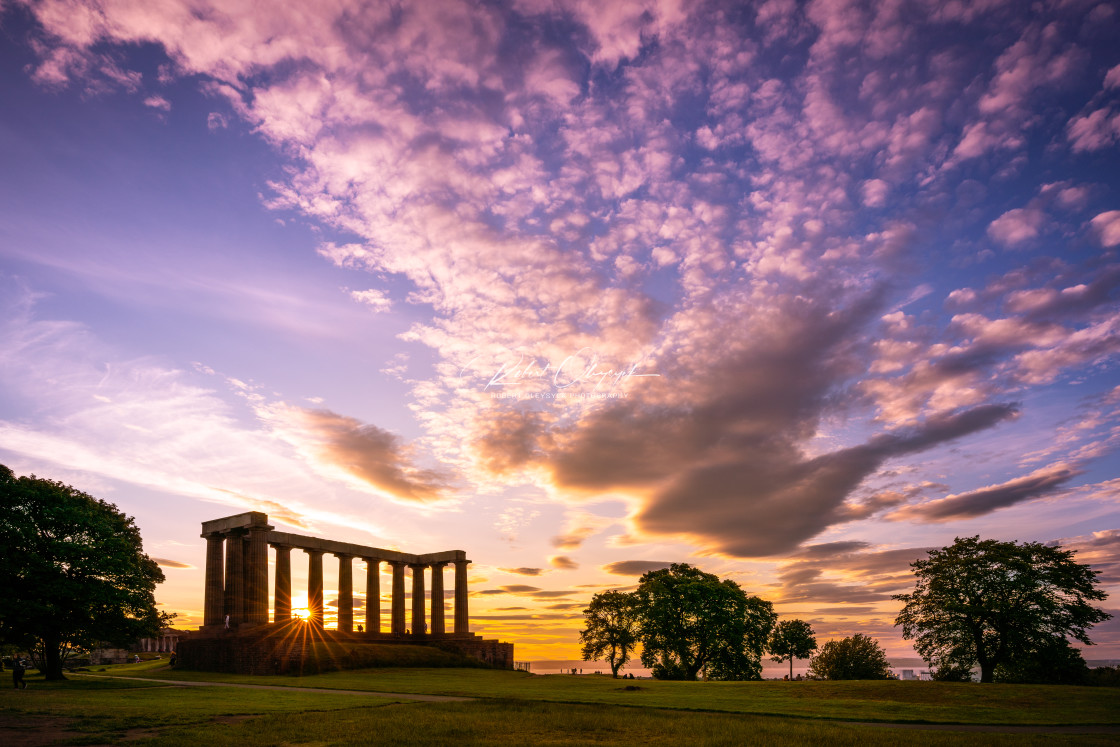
(285, 688)
(994, 728)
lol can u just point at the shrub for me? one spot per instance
(856, 658)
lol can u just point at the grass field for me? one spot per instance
(517, 708)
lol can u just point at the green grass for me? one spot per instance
(890, 700)
(194, 716)
(516, 708)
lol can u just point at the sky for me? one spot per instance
(793, 292)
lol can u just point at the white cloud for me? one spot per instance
(377, 300)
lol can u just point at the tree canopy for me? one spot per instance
(792, 639)
(612, 629)
(691, 621)
(992, 603)
(858, 657)
(74, 571)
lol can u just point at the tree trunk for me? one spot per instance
(52, 656)
(791, 668)
(987, 670)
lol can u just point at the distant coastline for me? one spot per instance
(770, 670)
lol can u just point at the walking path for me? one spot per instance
(330, 690)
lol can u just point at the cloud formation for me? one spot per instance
(374, 456)
(1040, 483)
(165, 563)
(741, 199)
(634, 567)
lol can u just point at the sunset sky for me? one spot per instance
(793, 292)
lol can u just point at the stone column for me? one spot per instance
(373, 595)
(398, 597)
(256, 577)
(315, 585)
(235, 578)
(419, 621)
(345, 593)
(282, 591)
(214, 593)
(462, 621)
(437, 598)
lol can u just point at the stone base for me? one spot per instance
(297, 647)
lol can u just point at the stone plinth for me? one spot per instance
(296, 647)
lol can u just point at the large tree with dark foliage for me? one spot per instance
(693, 622)
(72, 572)
(997, 604)
(612, 629)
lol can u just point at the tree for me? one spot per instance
(1054, 663)
(989, 602)
(856, 658)
(612, 629)
(692, 621)
(792, 639)
(73, 571)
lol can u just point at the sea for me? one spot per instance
(770, 670)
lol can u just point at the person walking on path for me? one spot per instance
(17, 674)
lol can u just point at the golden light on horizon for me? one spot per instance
(302, 614)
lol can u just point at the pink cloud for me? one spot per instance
(874, 192)
(1112, 78)
(1017, 226)
(1107, 227)
(1094, 131)
(158, 102)
(372, 456)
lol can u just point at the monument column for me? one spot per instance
(398, 597)
(315, 585)
(462, 621)
(283, 585)
(437, 598)
(235, 578)
(256, 576)
(213, 596)
(345, 593)
(419, 623)
(373, 595)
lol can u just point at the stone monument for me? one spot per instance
(237, 635)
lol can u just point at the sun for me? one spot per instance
(302, 614)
